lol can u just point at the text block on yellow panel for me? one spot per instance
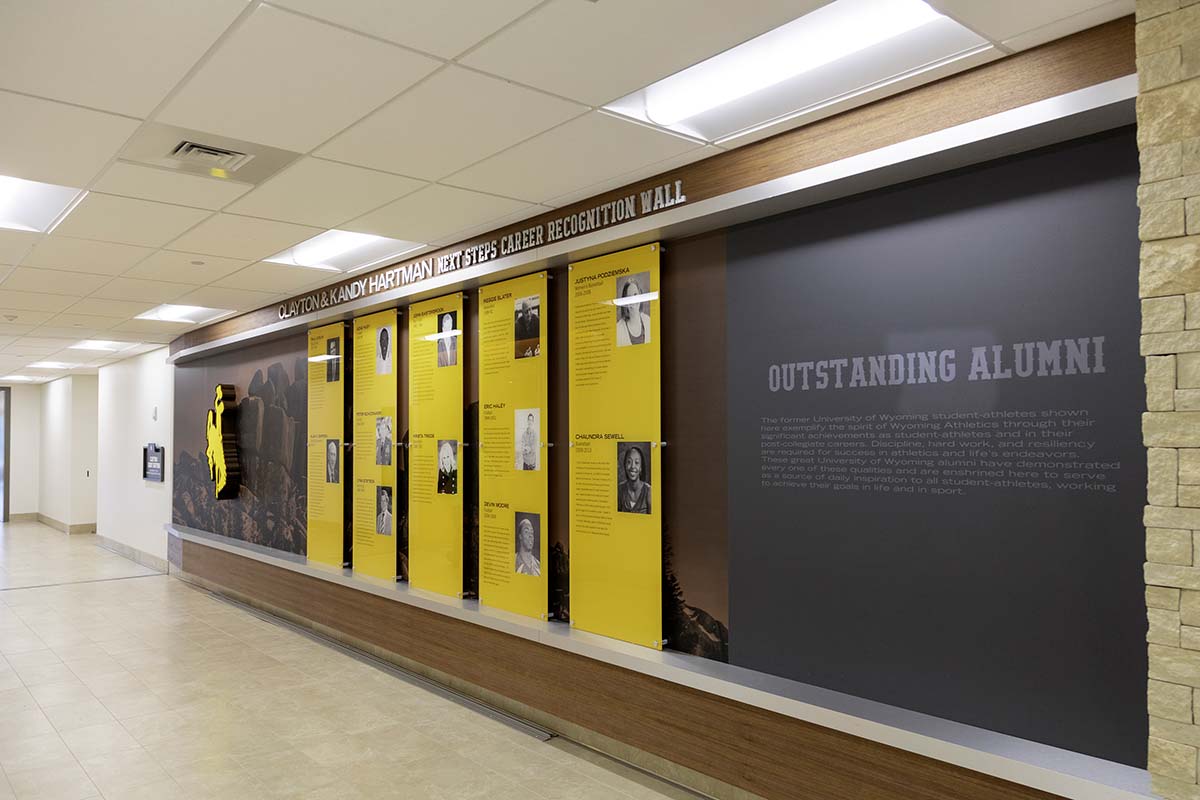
(615, 427)
(435, 420)
(327, 473)
(513, 468)
(375, 502)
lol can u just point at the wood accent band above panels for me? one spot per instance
(760, 751)
(1076, 62)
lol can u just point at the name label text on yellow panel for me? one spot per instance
(327, 472)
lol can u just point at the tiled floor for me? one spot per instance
(122, 684)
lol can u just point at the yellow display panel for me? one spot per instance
(435, 418)
(513, 469)
(615, 427)
(326, 444)
(376, 511)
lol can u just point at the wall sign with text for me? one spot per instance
(328, 473)
(375, 396)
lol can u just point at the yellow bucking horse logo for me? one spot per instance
(224, 469)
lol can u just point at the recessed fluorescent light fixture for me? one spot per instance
(104, 345)
(343, 251)
(34, 206)
(53, 365)
(185, 315)
(840, 48)
(16, 378)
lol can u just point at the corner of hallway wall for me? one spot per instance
(1168, 118)
(54, 473)
(136, 405)
(25, 449)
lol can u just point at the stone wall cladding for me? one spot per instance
(1168, 117)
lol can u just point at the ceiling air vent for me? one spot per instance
(209, 157)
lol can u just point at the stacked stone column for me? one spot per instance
(1168, 115)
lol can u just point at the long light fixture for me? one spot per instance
(184, 315)
(57, 365)
(17, 378)
(343, 251)
(838, 50)
(104, 345)
(35, 206)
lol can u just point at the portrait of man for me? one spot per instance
(383, 510)
(527, 324)
(448, 341)
(633, 309)
(528, 544)
(383, 350)
(333, 453)
(333, 367)
(383, 441)
(527, 438)
(447, 479)
(633, 477)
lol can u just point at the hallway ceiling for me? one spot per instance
(424, 122)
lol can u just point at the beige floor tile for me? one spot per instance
(33, 751)
(57, 694)
(59, 782)
(123, 770)
(159, 790)
(95, 740)
(18, 699)
(23, 724)
(69, 716)
(34, 658)
(133, 704)
(45, 673)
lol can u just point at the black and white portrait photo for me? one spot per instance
(633, 477)
(333, 367)
(333, 457)
(527, 439)
(528, 544)
(633, 309)
(447, 343)
(384, 346)
(383, 441)
(527, 327)
(447, 480)
(383, 510)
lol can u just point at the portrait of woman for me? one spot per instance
(528, 542)
(383, 441)
(633, 323)
(633, 486)
(447, 344)
(447, 481)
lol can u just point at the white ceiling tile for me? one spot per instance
(586, 150)
(222, 297)
(6, 340)
(1001, 21)
(1088, 18)
(82, 255)
(242, 237)
(23, 316)
(152, 330)
(33, 301)
(271, 278)
(15, 244)
(69, 319)
(470, 232)
(445, 28)
(139, 289)
(291, 82)
(465, 117)
(11, 329)
(38, 340)
(119, 55)
(52, 281)
(41, 140)
(190, 268)
(433, 212)
(316, 192)
(125, 220)
(166, 186)
(597, 52)
(121, 309)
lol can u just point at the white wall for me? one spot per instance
(24, 449)
(131, 394)
(67, 463)
(84, 422)
(54, 484)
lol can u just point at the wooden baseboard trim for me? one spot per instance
(26, 517)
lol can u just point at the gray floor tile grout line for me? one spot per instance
(76, 583)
